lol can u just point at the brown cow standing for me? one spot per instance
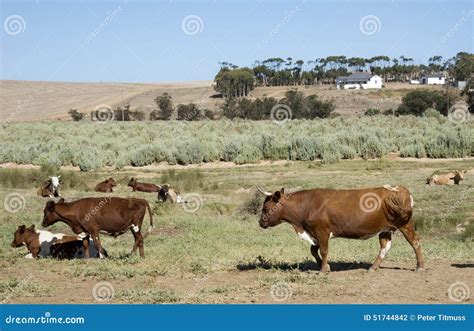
(143, 187)
(319, 214)
(106, 186)
(110, 215)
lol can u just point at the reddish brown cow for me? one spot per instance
(319, 214)
(143, 187)
(109, 215)
(106, 186)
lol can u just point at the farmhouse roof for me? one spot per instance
(355, 77)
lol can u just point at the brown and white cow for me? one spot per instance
(168, 194)
(41, 243)
(106, 186)
(320, 214)
(50, 188)
(446, 178)
(142, 187)
(110, 215)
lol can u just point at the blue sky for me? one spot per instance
(145, 41)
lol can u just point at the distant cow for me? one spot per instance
(41, 243)
(446, 178)
(106, 186)
(168, 194)
(50, 188)
(109, 215)
(143, 187)
(319, 214)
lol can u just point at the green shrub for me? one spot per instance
(372, 112)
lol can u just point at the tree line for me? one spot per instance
(233, 81)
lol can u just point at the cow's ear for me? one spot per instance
(22, 228)
(276, 196)
(61, 200)
(32, 227)
(50, 206)
(282, 191)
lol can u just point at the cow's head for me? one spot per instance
(132, 182)
(272, 208)
(56, 181)
(163, 193)
(50, 216)
(19, 237)
(111, 182)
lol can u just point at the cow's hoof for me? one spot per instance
(418, 269)
(326, 269)
(371, 269)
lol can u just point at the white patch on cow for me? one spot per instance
(412, 202)
(385, 250)
(391, 188)
(55, 181)
(135, 228)
(29, 256)
(46, 240)
(305, 236)
(179, 199)
(331, 235)
(82, 235)
(101, 255)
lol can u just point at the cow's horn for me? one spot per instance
(269, 194)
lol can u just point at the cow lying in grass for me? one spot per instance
(446, 178)
(143, 187)
(106, 186)
(320, 214)
(168, 194)
(41, 243)
(50, 188)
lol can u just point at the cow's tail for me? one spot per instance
(399, 206)
(151, 217)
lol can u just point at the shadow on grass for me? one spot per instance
(306, 265)
(463, 265)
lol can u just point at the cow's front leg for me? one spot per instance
(314, 252)
(385, 240)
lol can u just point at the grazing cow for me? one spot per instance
(143, 187)
(41, 243)
(319, 214)
(107, 186)
(446, 178)
(109, 215)
(168, 194)
(50, 188)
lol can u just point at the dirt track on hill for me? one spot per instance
(394, 282)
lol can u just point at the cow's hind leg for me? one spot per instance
(385, 239)
(100, 249)
(411, 236)
(324, 249)
(138, 242)
(314, 252)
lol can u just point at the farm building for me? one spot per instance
(437, 79)
(359, 80)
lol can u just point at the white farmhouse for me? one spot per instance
(437, 79)
(359, 80)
